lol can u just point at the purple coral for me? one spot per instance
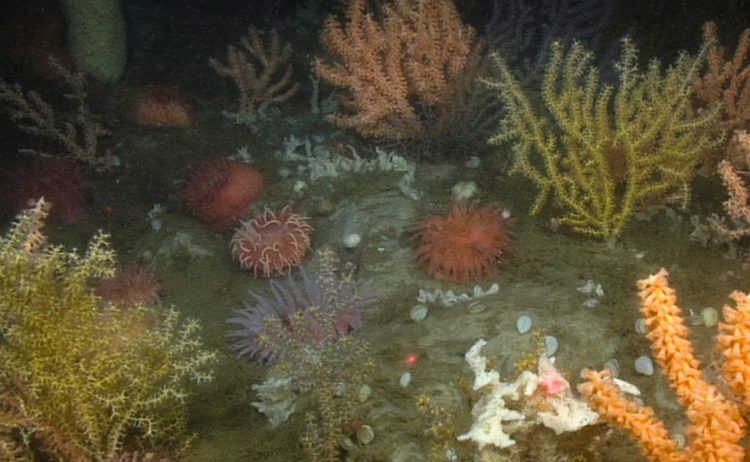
(340, 299)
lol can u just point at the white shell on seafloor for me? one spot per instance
(365, 434)
(710, 316)
(404, 380)
(352, 240)
(418, 312)
(464, 190)
(364, 393)
(523, 324)
(644, 365)
(299, 187)
(550, 345)
(476, 307)
(614, 366)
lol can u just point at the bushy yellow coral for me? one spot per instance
(604, 151)
(79, 375)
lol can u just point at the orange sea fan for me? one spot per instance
(734, 343)
(717, 425)
(639, 420)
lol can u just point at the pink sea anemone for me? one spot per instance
(273, 243)
(340, 296)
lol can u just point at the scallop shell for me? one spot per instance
(523, 324)
(550, 345)
(351, 240)
(614, 366)
(644, 365)
(404, 380)
(476, 307)
(710, 316)
(418, 312)
(365, 434)
(364, 393)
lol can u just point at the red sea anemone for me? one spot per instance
(218, 191)
(160, 106)
(465, 245)
(273, 243)
(131, 285)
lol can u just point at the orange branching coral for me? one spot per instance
(727, 81)
(734, 343)
(716, 422)
(262, 73)
(405, 77)
(738, 150)
(732, 171)
(640, 421)
(738, 204)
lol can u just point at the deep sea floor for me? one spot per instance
(540, 279)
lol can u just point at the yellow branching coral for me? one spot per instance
(603, 152)
(78, 375)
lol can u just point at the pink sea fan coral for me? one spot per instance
(337, 298)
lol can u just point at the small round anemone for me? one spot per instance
(340, 299)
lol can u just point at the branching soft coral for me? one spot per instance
(604, 152)
(79, 375)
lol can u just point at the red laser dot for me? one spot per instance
(412, 359)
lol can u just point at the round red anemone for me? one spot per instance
(218, 191)
(161, 106)
(465, 245)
